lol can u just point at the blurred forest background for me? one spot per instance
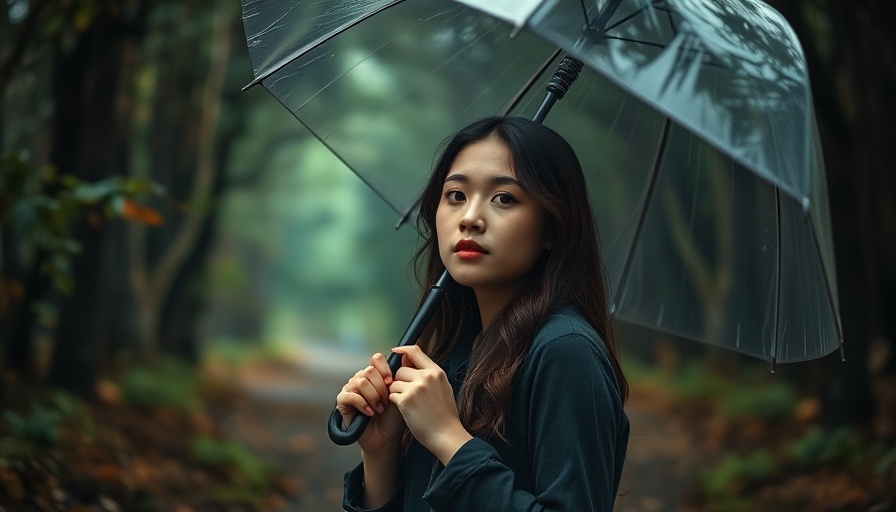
(165, 236)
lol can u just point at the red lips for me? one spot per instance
(469, 246)
(469, 250)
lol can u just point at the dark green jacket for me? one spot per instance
(567, 433)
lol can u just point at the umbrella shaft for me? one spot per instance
(346, 436)
(565, 74)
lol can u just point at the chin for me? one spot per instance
(464, 277)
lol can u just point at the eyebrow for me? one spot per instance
(497, 180)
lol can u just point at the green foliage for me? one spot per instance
(736, 398)
(234, 351)
(774, 401)
(75, 15)
(740, 470)
(721, 487)
(695, 381)
(887, 461)
(172, 384)
(41, 425)
(41, 206)
(842, 446)
(325, 259)
(232, 456)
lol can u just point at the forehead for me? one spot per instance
(487, 157)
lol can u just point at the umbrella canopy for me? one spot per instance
(693, 120)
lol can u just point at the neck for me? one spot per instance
(490, 301)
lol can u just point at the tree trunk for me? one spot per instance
(165, 272)
(91, 91)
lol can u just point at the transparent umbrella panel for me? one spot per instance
(713, 252)
(693, 121)
(385, 93)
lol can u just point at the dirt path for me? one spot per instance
(663, 462)
(284, 420)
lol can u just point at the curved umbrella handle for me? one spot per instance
(349, 435)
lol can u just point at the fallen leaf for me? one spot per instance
(108, 392)
(12, 483)
(142, 214)
(108, 472)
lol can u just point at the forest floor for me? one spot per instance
(258, 442)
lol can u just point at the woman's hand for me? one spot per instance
(368, 392)
(424, 396)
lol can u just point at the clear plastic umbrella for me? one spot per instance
(692, 118)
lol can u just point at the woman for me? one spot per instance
(513, 398)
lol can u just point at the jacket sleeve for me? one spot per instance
(354, 488)
(574, 420)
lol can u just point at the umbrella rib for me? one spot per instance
(627, 18)
(669, 15)
(529, 83)
(585, 14)
(629, 40)
(505, 111)
(659, 5)
(317, 42)
(827, 286)
(641, 219)
(604, 15)
(708, 60)
(774, 351)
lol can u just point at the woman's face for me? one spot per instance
(490, 231)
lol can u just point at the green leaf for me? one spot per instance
(23, 215)
(117, 204)
(14, 420)
(93, 192)
(46, 312)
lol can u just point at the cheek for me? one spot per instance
(440, 224)
(443, 226)
(533, 233)
(526, 243)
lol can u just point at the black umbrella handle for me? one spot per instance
(349, 435)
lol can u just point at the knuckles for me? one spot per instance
(434, 375)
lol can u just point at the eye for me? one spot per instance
(455, 196)
(504, 199)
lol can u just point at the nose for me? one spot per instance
(472, 218)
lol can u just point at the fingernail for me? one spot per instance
(380, 408)
(368, 410)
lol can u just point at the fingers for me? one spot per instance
(348, 403)
(416, 356)
(367, 390)
(379, 362)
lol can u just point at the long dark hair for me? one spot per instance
(570, 274)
